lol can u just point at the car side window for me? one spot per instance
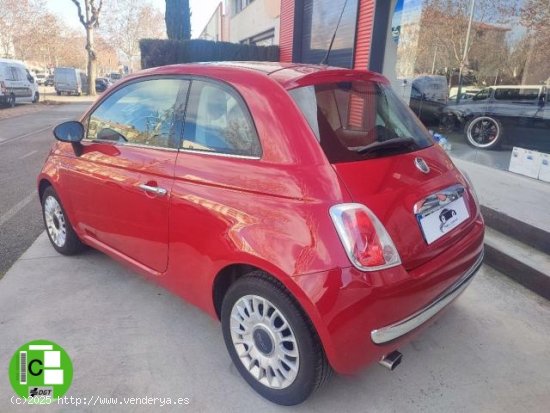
(415, 93)
(148, 112)
(482, 94)
(217, 120)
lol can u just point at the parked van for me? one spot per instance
(70, 80)
(17, 85)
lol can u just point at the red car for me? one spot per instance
(297, 204)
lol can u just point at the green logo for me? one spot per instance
(41, 368)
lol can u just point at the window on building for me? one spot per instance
(480, 69)
(319, 21)
(266, 38)
(240, 5)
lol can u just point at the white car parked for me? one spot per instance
(17, 85)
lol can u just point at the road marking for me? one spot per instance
(25, 135)
(27, 155)
(16, 208)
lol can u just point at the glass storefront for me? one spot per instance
(476, 72)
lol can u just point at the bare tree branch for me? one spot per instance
(80, 15)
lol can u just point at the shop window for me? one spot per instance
(473, 62)
(319, 21)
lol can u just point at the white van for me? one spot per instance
(16, 83)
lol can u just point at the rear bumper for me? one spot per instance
(347, 306)
(389, 333)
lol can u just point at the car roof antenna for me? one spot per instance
(325, 59)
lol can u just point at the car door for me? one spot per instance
(24, 84)
(122, 180)
(220, 150)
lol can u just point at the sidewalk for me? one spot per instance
(129, 338)
(515, 196)
(516, 210)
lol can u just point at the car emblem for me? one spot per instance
(421, 165)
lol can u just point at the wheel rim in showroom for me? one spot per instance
(483, 132)
(264, 341)
(55, 221)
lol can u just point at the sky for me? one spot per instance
(201, 10)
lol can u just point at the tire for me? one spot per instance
(11, 101)
(58, 92)
(305, 363)
(484, 132)
(58, 227)
(36, 98)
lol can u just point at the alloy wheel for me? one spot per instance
(55, 221)
(483, 132)
(264, 341)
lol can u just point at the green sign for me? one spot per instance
(41, 368)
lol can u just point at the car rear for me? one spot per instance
(413, 233)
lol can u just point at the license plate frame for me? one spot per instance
(443, 220)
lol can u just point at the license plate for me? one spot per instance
(443, 220)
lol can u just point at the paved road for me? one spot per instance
(24, 143)
(130, 338)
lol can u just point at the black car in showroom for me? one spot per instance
(515, 115)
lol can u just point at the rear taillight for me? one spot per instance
(366, 241)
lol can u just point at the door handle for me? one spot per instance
(153, 189)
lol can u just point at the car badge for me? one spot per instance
(421, 165)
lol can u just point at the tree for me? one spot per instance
(178, 19)
(128, 21)
(535, 15)
(90, 20)
(18, 22)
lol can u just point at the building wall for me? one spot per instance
(258, 17)
(214, 28)
(286, 36)
(365, 21)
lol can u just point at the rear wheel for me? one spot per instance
(59, 229)
(270, 340)
(484, 132)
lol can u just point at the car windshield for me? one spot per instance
(356, 120)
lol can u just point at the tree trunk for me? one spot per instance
(91, 60)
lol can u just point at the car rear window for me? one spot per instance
(357, 120)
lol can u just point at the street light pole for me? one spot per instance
(465, 54)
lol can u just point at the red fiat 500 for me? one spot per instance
(303, 206)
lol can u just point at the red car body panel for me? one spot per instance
(270, 213)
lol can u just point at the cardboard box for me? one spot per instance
(544, 172)
(525, 162)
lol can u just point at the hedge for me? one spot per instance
(157, 52)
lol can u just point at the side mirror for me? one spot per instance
(71, 132)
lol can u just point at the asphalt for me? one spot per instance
(129, 338)
(24, 143)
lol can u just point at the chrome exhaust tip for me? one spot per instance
(392, 360)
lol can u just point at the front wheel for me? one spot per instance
(11, 101)
(271, 341)
(484, 132)
(59, 229)
(36, 98)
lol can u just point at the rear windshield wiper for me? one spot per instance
(389, 145)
